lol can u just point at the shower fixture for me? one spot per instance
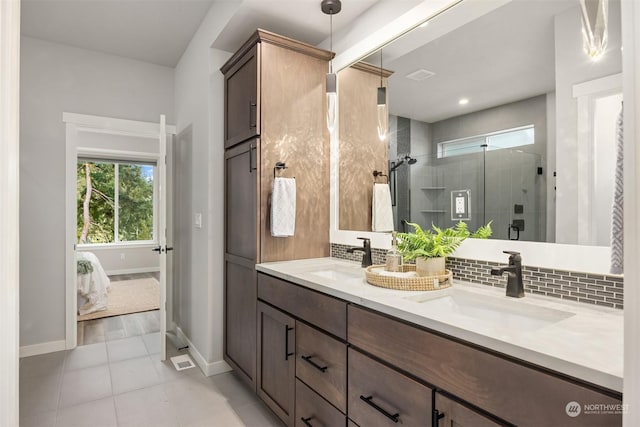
(406, 158)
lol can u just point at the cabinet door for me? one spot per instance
(241, 215)
(276, 361)
(449, 413)
(242, 106)
(240, 318)
(240, 280)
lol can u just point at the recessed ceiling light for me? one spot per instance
(424, 24)
(463, 101)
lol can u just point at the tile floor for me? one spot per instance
(124, 383)
(118, 327)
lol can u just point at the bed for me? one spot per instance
(93, 284)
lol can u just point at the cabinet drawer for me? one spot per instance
(510, 390)
(325, 312)
(313, 410)
(321, 362)
(380, 396)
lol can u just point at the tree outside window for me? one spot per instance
(115, 202)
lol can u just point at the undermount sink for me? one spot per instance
(339, 275)
(493, 311)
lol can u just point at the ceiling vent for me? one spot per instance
(420, 75)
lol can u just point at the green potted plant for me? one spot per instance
(430, 247)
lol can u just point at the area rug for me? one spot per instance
(129, 296)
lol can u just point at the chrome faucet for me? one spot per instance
(515, 286)
(365, 249)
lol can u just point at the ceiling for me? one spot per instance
(156, 31)
(298, 19)
(159, 31)
(504, 56)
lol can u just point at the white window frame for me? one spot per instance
(442, 152)
(117, 243)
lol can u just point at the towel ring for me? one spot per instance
(279, 166)
(376, 174)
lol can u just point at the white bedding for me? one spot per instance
(92, 287)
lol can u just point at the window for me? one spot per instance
(508, 138)
(116, 201)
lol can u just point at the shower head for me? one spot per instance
(401, 160)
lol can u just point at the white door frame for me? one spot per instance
(586, 95)
(75, 122)
(9, 214)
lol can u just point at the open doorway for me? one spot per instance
(118, 243)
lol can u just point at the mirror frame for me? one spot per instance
(593, 259)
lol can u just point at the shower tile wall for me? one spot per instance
(403, 193)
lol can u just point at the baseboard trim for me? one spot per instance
(207, 368)
(132, 271)
(42, 348)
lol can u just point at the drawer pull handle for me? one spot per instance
(436, 417)
(251, 167)
(286, 342)
(306, 421)
(369, 401)
(253, 108)
(314, 364)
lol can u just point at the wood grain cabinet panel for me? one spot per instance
(381, 396)
(313, 411)
(453, 414)
(276, 361)
(511, 391)
(321, 310)
(321, 362)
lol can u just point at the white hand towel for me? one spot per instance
(283, 207)
(381, 212)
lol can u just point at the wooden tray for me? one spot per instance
(424, 283)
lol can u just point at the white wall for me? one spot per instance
(55, 79)
(199, 94)
(572, 67)
(125, 259)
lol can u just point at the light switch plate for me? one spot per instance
(198, 220)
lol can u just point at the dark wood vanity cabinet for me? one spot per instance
(312, 375)
(508, 389)
(274, 112)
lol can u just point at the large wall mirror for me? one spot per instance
(498, 118)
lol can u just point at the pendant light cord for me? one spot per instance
(380, 67)
(331, 40)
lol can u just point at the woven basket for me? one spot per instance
(424, 283)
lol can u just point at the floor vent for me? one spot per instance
(182, 362)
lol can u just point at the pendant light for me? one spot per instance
(331, 7)
(383, 111)
(594, 27)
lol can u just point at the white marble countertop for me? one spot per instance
(579, 340)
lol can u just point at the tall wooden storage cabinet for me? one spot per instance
(274, 112)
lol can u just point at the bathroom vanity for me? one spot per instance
(333, 349)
